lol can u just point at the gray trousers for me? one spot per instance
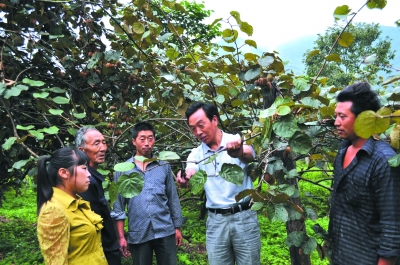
(233, 238)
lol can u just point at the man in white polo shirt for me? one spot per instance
(233, 233)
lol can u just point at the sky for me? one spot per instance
(281, 21)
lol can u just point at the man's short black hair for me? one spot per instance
(362, 96)
(208, 108)
(142, 126)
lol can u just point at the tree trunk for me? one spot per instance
(297, 258)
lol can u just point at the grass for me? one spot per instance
(19, 245)
(18, 240)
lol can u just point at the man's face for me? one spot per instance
(144, 143)
(95, 148)
(344, 121)
(202, 127)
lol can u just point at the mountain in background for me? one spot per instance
(293, 52)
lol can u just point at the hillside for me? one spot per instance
(294, 51)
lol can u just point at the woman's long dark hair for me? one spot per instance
(48, 171)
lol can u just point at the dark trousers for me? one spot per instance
(165, 249)
(113, 257)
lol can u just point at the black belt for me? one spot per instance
(233, 209)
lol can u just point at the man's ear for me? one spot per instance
(80, 148)
(63, 173)
(215, 119)
(134, 141)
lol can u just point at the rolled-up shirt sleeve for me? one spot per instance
(118, 210)
(173, 200)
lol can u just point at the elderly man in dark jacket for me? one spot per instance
(92, 142)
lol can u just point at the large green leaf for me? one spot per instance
(25, 128)
(10, 141)
(138, 28)
(56, 111)
(172, 53)
(273, 109)
(283, 110)
(309, 245)
(123, 167)
(368, 122)
(395, 137)
(251, 43)
(168, 156)
(311, 102)
(300, 143)
(265, 61)
(267, 113)
(33, 82)
(394, 161)
(288, 190)
(154, 28)
(15, 91)
(380, 4)
(197, 181)
(220, 99)
(144, 159)
(113, 192)
(346, 39)
(257, 206)
(244, 193)
(252, 73)
(312, 53)
(229, 35)
(285, 127)
(311, 214)
(391, 79)
(341, 12)
(292, 174)
(295, 238)
(94, 60)
(39, 135)
(277, 212)
(232, 173)
(333, 58)
(61, 100)
(51, 130)
(41, 95)
(301, 84)
(293, 213)
(112, 55)
(20, 164)
(104, 172)
(130, 186)
(165, 37)
(2, 88)
(246, 28)
(236, 15)
(57, 90)
(72, 131)
(280, 198)
(79, 115)
(228, 48)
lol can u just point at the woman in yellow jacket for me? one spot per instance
(68, 230)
